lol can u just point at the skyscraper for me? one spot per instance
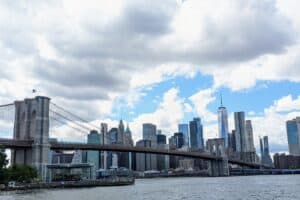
(266, 145)
(128, 136)
(196, 134)
(231, 141)
(113, 136)
(240, 132)
(293, 135)
(249, 134)
(124, 138)
(261, 147)
(104, 131)
(121, 130)
(94, 156)
(250, 152)
(223, 123)
(149, 133)
(162, 159)
(112, 139)
(184, 128)
(161, 139)
(179, 140)
(143, 161)
(265, 153)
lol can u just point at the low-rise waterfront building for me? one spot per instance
(283, 161)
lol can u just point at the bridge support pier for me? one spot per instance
(32, 123)
(218, 167)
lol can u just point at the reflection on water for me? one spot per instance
(251, 187)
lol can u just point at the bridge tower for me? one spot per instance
(216, 147)
(32, 123)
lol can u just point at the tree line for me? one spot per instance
(18, 173)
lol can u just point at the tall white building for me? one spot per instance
(223, 123)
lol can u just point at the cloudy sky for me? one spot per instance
(156, 61)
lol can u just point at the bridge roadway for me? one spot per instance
(27, 144)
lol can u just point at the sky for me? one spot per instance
(163, 62)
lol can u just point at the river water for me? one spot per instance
(227, 188)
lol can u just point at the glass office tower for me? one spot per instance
(223, 124)
(184, 128)
(293, 135)
(196, 134)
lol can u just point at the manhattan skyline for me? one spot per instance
(143, 75)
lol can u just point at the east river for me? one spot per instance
(226, 188)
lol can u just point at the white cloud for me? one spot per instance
(273, 122)
(201, 100)
(168, 114)
(87, 63)
(285, 104)
(135, 44)
(166, 117)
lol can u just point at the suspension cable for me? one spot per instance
(63, 123)
(68, 119)
(76, 116)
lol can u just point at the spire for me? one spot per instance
(221, 100)
(127, 128)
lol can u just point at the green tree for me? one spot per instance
(3, 158)
(3, 164)
(21, 173)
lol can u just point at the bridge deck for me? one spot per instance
(23, 144)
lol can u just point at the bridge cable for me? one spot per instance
(77, 129)
(6, 105)
(68, 119)
(76, 116)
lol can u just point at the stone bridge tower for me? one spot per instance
(216, 147)
(32, 123)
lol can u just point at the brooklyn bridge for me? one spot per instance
(30, 142)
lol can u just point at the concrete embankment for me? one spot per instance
(116, 181)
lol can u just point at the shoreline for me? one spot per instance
(232, 174)
(116, 181)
